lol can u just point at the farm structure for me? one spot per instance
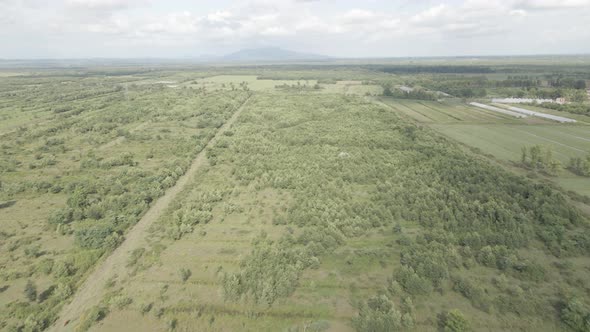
(542, 115)
(406, 89)
(527, 100)
(497, 109)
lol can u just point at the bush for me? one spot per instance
(378, 315)
(30, 291)
(93, 315)
(454, 321)
(120, 301)
(146, 308)
(93, 236)
(184, 274)
(576, 315)
(412, 283)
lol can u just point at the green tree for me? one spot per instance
(387, 90)
(523, 154)
(378, 315)
(454, 321)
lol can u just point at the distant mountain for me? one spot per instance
(270, 54)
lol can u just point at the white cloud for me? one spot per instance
(552, 4)
(442, 27)
(103, 4)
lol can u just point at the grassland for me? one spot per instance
(317, 206)
(279, 249)
(85, 169)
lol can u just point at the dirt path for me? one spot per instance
(91, 291)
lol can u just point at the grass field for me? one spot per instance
(101, 144)
(250, 199)
(503, 136)
(505, 141)
(436, 112)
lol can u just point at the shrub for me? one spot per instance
(576, 315)
(412, 283)
(471, 291)
(93, 236)
(454, 321)
(146, 308)
(184, 274)
(120, 301)
(90, 317)
(63, 268)
(45, 266)
(30, 291)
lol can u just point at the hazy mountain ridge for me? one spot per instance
(271, 54)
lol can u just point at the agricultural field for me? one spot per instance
(503, 136)
(447, 112)
(282, 198)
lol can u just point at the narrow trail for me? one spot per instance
(91, 291)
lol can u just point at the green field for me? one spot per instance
(503, 136)
(281, 198)
(85, 162)
(505, 142)
(436, 112)
(263, 179)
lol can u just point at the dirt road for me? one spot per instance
(91, 291)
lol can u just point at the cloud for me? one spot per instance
(292, 24)
(551, 4)
(103, 5)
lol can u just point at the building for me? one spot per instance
(406, 89)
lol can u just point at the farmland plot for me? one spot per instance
(445, 112)
(506, 141)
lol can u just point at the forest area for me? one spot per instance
(333, 197)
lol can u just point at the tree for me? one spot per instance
(387, 90)
(578, 96)
(535, 152)
(580, 85)
(379, 315)
(580, 166)
(30, 291)
(454, 321)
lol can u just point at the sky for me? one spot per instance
(339, 28)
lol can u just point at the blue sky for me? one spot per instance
(370, 28)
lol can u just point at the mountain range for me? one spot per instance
(270, 54)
